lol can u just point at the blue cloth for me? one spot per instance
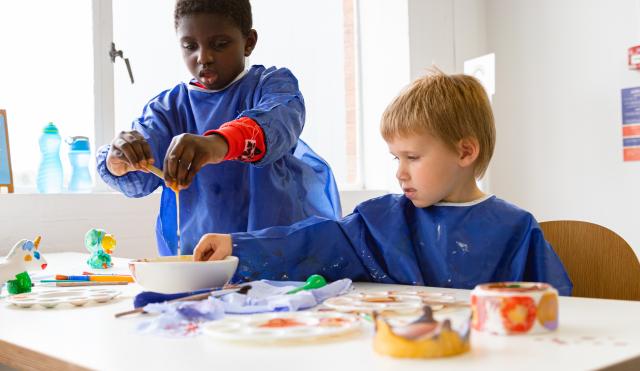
(289, 184)
(184, 318)
(271, 296)
(389, 240)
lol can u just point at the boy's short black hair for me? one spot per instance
(238, 11)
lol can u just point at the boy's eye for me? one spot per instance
(220, 44)
(412, 158)
(189, 46)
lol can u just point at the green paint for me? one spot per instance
(20, 285)
(314, 281)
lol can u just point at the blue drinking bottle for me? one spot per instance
(79, 156)
(50, 170)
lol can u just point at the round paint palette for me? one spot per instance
(74, 296)
(391, 301)
(283, 326)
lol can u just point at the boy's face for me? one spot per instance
(429, 171)
(213, 48)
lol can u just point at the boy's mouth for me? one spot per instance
(409, 192)
(208, 77)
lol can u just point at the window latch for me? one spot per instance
(113, 53)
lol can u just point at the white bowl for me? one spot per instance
(173, 274)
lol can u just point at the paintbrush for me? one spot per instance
(88, 283)
(203, 296)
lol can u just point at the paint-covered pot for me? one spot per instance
(508, 308)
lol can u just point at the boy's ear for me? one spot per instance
(252, 40)
(468, 151)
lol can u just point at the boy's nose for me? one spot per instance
(401, 173)
(205, 57)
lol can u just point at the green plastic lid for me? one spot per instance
(50, 129)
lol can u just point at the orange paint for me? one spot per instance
(332, 322)
(518, 313)
(281, 323)
(388, 299)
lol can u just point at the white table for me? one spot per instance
(593, 334)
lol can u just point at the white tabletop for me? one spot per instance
(593, 334)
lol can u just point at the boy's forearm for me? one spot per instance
(282, 125)
(313, 246)
(280, 112)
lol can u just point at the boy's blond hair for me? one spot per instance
(449, 107)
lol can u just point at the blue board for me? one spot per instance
(5, 166)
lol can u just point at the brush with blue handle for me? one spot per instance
(149, 297)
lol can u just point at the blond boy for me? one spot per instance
(443, 231)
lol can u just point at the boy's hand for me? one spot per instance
(129, 152)
(213, 246)
(188, 153)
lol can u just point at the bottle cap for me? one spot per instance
(78, 143)
(50, 129)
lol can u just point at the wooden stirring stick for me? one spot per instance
(155, 171)
(239, 290)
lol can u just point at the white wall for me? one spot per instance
(63, 219)
(384, 70)
(560, 67)
(415, 34)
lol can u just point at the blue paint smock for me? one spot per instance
(389, 240)
(290, 183)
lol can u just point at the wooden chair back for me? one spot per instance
(600, 263)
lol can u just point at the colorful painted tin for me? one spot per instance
(508, 308)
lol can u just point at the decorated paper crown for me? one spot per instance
(423, 338)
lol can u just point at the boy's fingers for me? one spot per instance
(197, 252)
(203, 253)
(171, 160)
(145, 147)
(219, 253)
(137, 148)
(204, 248)
(129, 154)
(183, 166)
(196, 165)
(165, 163)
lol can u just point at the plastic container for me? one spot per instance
(79, 156)
(50, 170)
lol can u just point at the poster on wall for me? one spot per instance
(631, 124)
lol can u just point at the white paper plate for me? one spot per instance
(76, 296)
(300, 326)
(393, 301)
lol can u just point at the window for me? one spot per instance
(58, 69)
(46, 76)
